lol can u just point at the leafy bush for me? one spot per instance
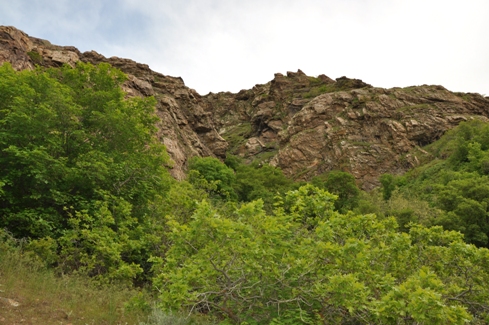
(258, 181)
(211, 174)
(342, 184)
(457, 184)
(46, 298)
(254, 268)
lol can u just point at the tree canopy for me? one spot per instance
(255, 268)
(79, 162)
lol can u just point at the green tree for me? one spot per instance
(79, 163)
(466, 202)
(213, 175)
(455, 182)
(343, 185)
(388, 182)
(258, 181)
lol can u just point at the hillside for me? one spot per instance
(304, 125)
(95, 230)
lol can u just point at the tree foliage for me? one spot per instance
(79, 163)
(235, 181)
(255, 268)
(258, 181)
(212, 174)
(342, 184)
(456, 181)
(83, 180)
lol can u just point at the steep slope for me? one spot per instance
(305, 125)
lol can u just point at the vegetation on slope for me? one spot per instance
(80, 168)
(85, 192)
(38, 296)
(454, 181)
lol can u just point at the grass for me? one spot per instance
(44, 298)
(361, 144)
(464, 96)
(30, 293)
(237, 135)
(409, 89)
(265, 156)
(318, 90)
(159, 317)
(315, 81)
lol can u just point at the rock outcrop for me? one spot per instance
(308, 126)
(305, 125)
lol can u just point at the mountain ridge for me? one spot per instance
(304, 125)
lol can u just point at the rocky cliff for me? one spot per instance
(305, 125)
(308, 125)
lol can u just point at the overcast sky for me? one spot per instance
(228, 45)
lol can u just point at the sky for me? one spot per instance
(229, 45)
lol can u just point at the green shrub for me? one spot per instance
(308, 264)
(210, 173)
(343, 185)
(35, 57)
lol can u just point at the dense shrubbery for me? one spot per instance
(80, 167)
(455, 181)
(308, 264)
(83, 181)
(238, 182)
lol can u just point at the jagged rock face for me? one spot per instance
(370, 131)
(305, 125)
(308, 126)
